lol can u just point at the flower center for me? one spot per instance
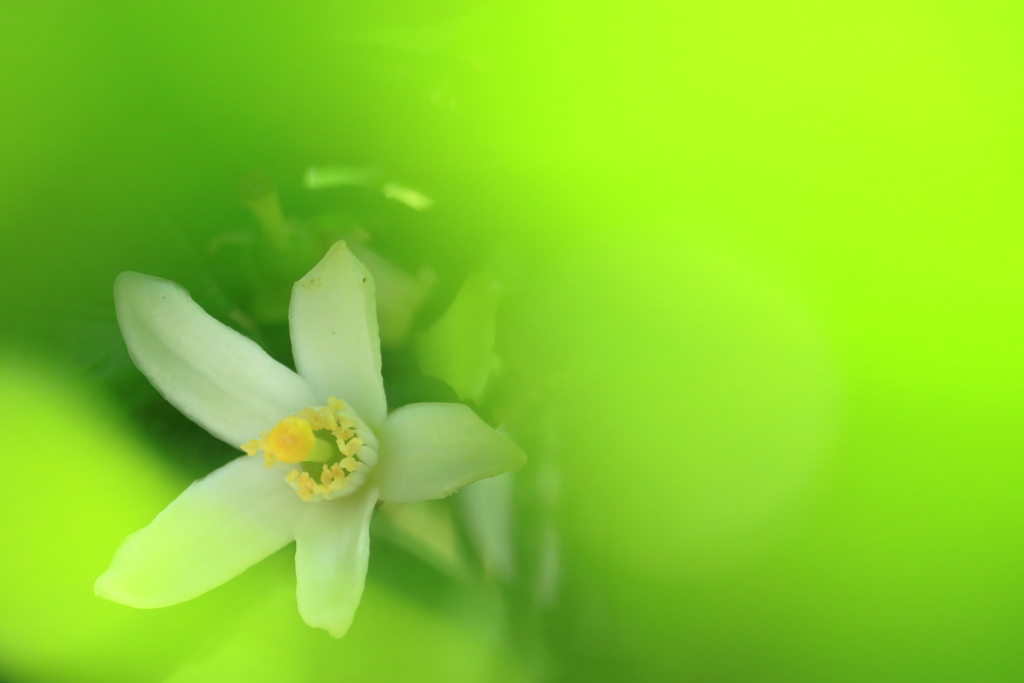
(333, 447)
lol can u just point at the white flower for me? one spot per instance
(331, 450)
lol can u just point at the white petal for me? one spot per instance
(335, 340)
(220, 379)
(332, 548)
(218, 527)
(430, 450)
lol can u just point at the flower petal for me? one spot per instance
(335, 339)
(430, 450)
(218, 527)
(220, 379)
(332, 548)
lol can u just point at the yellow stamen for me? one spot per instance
(292, 439)
(338, 483)
(350, 464)
(352, 447)
(335, 404)
(327, 420)
(291, 476)
(268, 460)
(306, 485)
(326, 476)
(250, 447)
(344, 430)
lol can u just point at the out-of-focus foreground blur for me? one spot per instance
(752, 276)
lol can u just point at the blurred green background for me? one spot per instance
(765, 330)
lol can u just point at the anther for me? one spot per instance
(352, 447)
